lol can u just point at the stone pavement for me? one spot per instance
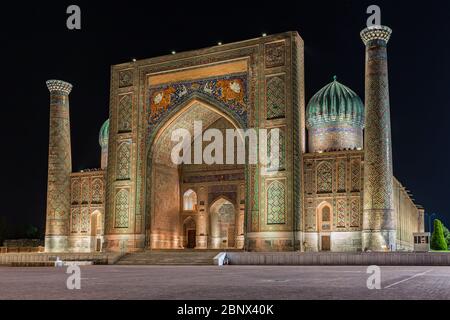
(228, 282)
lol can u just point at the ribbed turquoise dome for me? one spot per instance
(335, 104)
(104, 134)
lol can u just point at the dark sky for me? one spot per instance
(36, 46)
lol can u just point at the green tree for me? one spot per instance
(437, 239)
(446, 236)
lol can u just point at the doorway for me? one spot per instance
(191, 239)
(326, 243)
(190, 233)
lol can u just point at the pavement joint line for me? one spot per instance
(407, 279)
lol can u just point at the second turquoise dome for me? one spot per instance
(104, 134)
(335, 104)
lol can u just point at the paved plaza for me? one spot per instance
(228, 282)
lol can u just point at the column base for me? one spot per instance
(271, 241)
(56, 244)
(240, 242)
(201, 242)
(124, 243)
(379, 240)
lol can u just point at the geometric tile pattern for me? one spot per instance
(97, 191)
(341, 206)
(324, 177)
(355, 175)
(121, 209)
(355, 215)
(84, 223)
(123, 161)
(341, 176)
(125, 112)
(85, 191)
(276, 97)
(75, 192)
(87, 197)
(75, 220)
(276, 206)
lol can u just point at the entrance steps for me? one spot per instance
(171, 257)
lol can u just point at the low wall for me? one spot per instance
(10, 259)
(335, 258)
(21, 249)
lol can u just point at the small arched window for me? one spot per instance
(189, 200)
(326, 214)
(326, 219)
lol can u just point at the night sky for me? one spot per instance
(37, 46)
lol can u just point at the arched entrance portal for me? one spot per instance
(179, 196)
(223, 224)
(190, 233)
(96, 231)
(324, 214)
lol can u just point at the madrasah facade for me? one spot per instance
(333, 190)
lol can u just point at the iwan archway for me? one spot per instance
(180, 196)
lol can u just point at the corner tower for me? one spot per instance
(59, 168)
(378, 216)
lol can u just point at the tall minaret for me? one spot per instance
(379, 230)
(59, 168)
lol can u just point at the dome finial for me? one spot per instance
(335, 78)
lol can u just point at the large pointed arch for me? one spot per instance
(158, 146)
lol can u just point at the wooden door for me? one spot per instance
(191, 239)
(326, 243)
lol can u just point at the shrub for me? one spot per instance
(437, 239)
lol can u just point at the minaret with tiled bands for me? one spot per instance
(59, 168)
(378, 217)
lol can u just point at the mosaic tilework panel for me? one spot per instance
(121, 209)
(275, 97)
(275, 54)
(230, 91)
(276, 203)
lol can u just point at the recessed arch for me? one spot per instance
(97, 230)
(222, 223)
(189, 200)
(325, 217)
(325, 225)
(164, 196)
(189, 232)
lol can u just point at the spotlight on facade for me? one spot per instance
(219, 43)
(264, 34)
(134, 60)
(174, 52)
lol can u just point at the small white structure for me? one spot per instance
(421, 241)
